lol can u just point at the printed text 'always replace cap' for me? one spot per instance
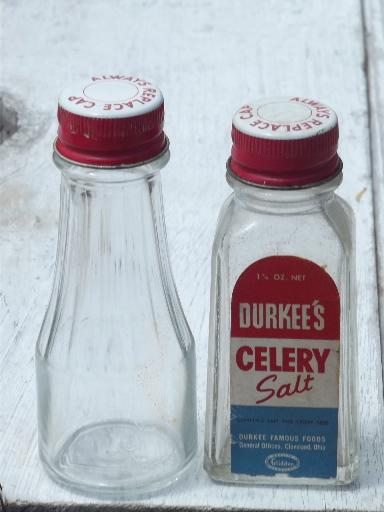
(285, 142)
(111, 120)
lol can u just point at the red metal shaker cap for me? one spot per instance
(285, 142)
(111, 120)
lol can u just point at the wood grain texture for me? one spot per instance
(373, 17)
(208, 57)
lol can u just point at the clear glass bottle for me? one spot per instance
(115, 359)
(281, 399)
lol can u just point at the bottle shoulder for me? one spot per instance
(323, 232)
(341, 218)
(236, 216)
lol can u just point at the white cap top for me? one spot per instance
(111, 97)
(284, 118)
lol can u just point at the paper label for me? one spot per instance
(284, 369)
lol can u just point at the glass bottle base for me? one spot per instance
(345, 475)
(118, 459)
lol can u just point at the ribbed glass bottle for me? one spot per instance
(115, 359)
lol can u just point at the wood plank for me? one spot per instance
(208, 56)
(373, 17)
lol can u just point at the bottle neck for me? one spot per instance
(88, 176)
(284, 200)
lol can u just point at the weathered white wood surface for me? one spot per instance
(208, 57)
(373, 12)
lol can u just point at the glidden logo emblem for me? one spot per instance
(282, 462)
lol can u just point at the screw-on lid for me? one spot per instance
(111, 120)
(284, 142)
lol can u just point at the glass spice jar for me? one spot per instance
(281, 400)
(115, 359)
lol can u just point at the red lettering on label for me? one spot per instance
(240, 358)
(282, 359)
(288, 359)
(321, 358)
(273, 366)
(260, 358)
(303, 358)
(260, 388)
(302, 385)
(285, 332)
